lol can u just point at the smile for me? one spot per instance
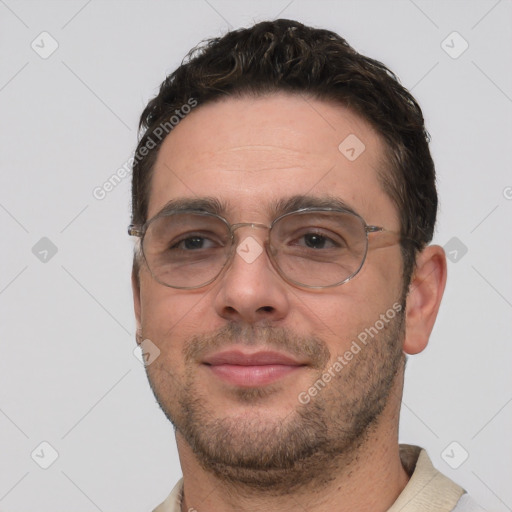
(252, 370)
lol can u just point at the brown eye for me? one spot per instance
(194, 243)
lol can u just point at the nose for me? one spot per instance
(250, 290)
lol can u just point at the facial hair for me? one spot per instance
(313, 442)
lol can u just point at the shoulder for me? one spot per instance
(173, 501)
(428, 490)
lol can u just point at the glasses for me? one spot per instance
(310, 247)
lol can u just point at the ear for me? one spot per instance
(136, 302)
(424, 298)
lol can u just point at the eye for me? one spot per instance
(192, 243)
(317, 241)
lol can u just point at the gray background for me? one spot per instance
(68, 375)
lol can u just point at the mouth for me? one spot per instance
(252, 369)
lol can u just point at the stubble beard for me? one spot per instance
(311, 444)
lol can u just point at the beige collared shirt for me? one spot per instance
(428, 490)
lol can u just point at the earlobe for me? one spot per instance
(136, 303)
(424, 298)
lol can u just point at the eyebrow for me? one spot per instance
(198, 204)
(297, 202)
(277, 208)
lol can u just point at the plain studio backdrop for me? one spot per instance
(75, 76)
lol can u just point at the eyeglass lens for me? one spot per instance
(309, 248)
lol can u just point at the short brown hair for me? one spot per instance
(285, 55)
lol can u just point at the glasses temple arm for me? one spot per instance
(134, 230)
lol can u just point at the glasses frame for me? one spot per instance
(139, 231)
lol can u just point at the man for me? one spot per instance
(284, 196)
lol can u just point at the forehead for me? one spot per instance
(250, 153)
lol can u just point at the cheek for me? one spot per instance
(334, 318)
(170, 317)
(380, 279)
(340, 314)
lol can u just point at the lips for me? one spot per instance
(237, 357)
(251, 369)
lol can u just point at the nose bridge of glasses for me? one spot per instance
(252, 225)
(248, 245)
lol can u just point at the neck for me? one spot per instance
(368, 480)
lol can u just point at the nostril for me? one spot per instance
(266, 309)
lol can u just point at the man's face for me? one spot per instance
(251, 155)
